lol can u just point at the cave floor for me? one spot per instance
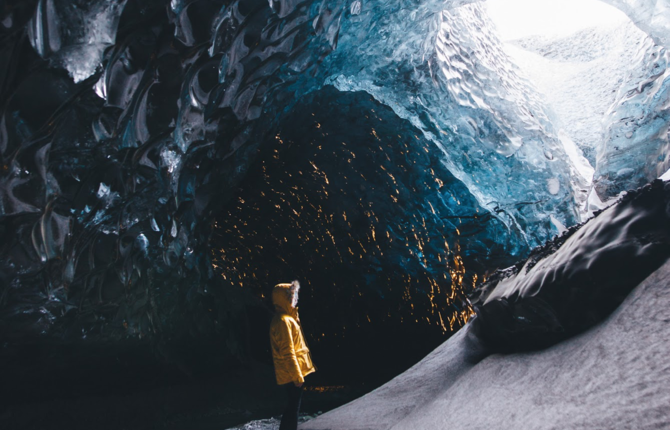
(190, 403)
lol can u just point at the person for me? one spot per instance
(291, 357)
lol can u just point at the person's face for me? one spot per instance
(294, 300)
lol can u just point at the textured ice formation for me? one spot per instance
(580, 75)
(106, 190)
(610, 103)
(636, 140)
(468, 98)
(350, 199)
(74, 34)
(652, 16)
(109, 185)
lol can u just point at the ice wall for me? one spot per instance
(350, 199)
(652, 16)
(111, 175)
(468, 98)
(74, 35)
(580, 75)
(636, 142)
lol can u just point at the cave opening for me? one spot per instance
(577, 54)
(588, 60)
(351, 201)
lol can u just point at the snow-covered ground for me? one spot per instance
(615, 376)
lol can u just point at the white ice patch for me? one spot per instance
(142, 243)
(100, 88)
(553, 185)
(74, 35)
(559, 225)
(356, 8)
(170, 159)
(625, 171)
(577, 159)
(522, 18)
(103, 191)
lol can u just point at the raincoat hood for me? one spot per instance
(282, 296)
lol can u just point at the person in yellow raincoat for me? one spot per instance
(291, 357)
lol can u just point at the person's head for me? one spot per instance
(285, 296)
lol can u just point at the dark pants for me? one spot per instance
(289, 421)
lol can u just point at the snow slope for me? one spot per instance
(615, 376)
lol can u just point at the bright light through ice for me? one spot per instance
(517, 19)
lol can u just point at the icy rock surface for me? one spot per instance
(636, 141)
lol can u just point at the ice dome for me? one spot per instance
(164, 163)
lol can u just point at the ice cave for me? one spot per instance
(479, 216)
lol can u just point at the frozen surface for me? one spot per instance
(652, 16)
(113, 185)
(108, 189)
(580, 75)
(607, 86)
(615, 376)
(74, 34)
(375, 202)
(469, 99)
(636, 141)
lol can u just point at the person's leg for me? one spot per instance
(289, 421)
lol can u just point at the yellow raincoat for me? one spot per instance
(289, 351)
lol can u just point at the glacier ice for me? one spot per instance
(579, 75)
(652, 16)
(469, 99)
(74, 34)
(592, 80)
(636, 140)
(129, 125)
(373, 200)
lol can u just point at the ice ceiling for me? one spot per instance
(156, 154)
